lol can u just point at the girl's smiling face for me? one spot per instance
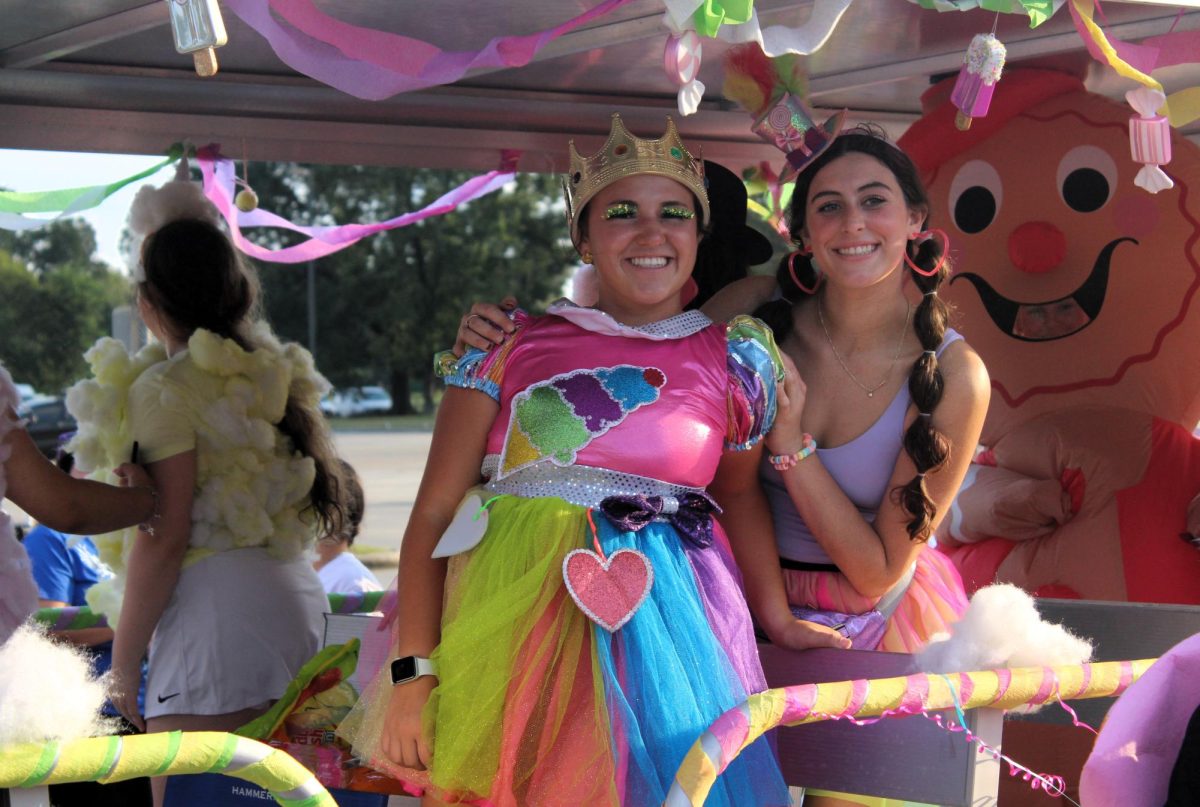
(642, 232)
(857, 222)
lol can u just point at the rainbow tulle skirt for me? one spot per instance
(536, 705)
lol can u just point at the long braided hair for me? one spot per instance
(926, 446)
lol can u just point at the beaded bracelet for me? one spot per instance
(147, 526)
(781, 462)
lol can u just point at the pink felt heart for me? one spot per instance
(608, 591)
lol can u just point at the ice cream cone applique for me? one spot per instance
(558, 417)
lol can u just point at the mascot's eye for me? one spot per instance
(975, 196)
(1086, 178)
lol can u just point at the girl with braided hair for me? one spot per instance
(875, 431)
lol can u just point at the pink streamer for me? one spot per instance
(218, 174)
(374, 65)
(1143, 58)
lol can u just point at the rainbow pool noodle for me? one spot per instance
(114, 759)
(863, 698)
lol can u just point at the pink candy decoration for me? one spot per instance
(681, 57)
(609, 590)
(1149, 139)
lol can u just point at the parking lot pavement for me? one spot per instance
(390, 465)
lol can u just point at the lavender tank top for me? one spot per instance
(862, 468)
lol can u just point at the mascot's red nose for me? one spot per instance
(1037, 246)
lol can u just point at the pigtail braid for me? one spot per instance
(926, 446)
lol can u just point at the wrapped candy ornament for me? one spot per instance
(977, 79)
(1149, 139)
(681, 60)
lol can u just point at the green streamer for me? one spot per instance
(71, 200)
(712, 14)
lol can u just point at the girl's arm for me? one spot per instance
(746, 518)
(875, 556)
(151, 576)
(455, 455)
(75, 506)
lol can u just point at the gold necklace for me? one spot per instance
(899, 344)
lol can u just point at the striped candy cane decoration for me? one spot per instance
(114, 759)
(883, 697)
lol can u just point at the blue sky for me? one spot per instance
(22, 170)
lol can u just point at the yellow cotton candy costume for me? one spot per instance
(245, 613)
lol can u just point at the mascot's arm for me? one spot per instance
(1001, 502)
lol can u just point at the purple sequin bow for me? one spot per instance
(692, 518)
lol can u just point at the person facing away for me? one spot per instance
(597, 430)
(218, 592)
(338, 569)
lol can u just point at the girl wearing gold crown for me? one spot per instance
(568, 629)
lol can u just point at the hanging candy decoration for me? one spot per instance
(681, 60)
(199, 30)
(1149, 139)
(977, 79)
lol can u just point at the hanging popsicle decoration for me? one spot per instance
(199, 30)
(977, 79)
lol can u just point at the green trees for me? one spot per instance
(55, 301)
(385, 305)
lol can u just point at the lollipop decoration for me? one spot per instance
(199, 30)
(681, 60)
(977, 79)
(1149, 139)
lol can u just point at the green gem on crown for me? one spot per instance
(676, 153)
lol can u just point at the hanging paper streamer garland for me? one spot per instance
(374, 65)
(115, 759)
(881, 697)
(14, 204)
(219, 178)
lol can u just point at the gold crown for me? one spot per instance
(625, 155)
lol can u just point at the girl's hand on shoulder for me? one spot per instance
(402, 741)
(485, 326)
(786, 435)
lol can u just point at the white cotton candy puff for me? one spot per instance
(48, 692)
(1002, 628)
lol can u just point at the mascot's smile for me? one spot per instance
(1052, 319)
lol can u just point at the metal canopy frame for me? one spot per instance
(103, 76)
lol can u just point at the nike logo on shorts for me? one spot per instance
(165, 698)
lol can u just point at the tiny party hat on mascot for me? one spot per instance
(624, 155)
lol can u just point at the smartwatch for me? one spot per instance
(410, 668)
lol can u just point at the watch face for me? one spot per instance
(404, 669)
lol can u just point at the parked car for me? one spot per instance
(353, 401)
(45, 420)
(28, 397)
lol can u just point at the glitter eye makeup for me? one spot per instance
(620, 210)
(677, 212)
